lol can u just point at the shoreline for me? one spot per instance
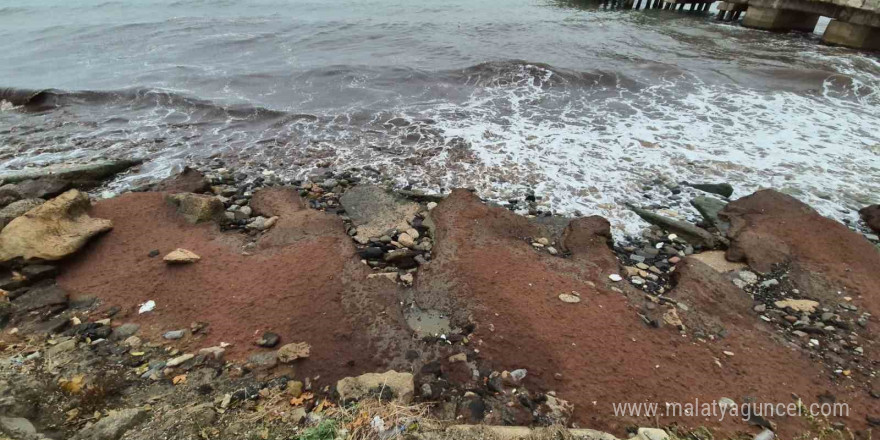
(479, 305)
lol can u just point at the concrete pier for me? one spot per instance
(841, 33)
(780, 19)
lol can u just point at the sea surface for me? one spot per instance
(588, 106)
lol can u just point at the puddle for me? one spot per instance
(427, 323)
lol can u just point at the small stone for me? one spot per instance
(407, 279)
(179, 360)
(215, 352)
(294, 388)
(174, 334)
(615, 277)
(638, 281)
(770, 283)
(181, 256)
(432, 205)
(642, 266)
(814, 342)
(552, 250)
(153, 253)
(518, 375)
(269, 340)
(459, 357)
(293, 351)
(543, 241)
(761, 308)
(569, 298)
(412, 233)
(748, 277)
(728, 353)
(406, 240)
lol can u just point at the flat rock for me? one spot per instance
(51, 231)
(374, 210)
(94, 171)
(293, 351)
(113, 426)
(41, 297)
(718, 261)
(18, 426)
(44, 188)
(17, 209)
(798, 305)
(355, 388)
(198, 208)
(181, 256)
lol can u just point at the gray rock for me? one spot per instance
(113, 426)
(722, 189)
(44, 188)
(374, 210)
(41, 297)
(87, 172)
(174, 334)
(685, 230)
(124, 331)
(197, 208)
(17, 426)
(9, 193)
(709, 208)
(17, 209)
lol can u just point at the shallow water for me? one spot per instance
(584, 105)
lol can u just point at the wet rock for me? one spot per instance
(687, 231)
(871, 217)
(188, 181)
(722, 189)
(269, 340)
(114, 425)
(402, 258)
(17, 209)
(197, 208)
(400, 385)
(293, 351)
(374, 210)
(51, 231)
(709, 208)
(45, 188)
(92, 172)
(181, 256)
(9, 193)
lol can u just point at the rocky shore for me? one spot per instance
(220, 305)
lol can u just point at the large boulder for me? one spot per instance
(196, 208)
(51, 231)
(17, 209)
(871, 216)
(400, 386)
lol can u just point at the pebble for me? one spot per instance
(544, 241)
(728, 353)
(432, 205)
(638, 281)
(569, 298)
(748, 277)
(174, 334)
(615, 277)
(761, 308)
(407, 279)
(770, 282)
(406, 240)
(814, 343)
(552, 250)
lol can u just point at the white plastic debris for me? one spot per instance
(147, 307)
(377, 424)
